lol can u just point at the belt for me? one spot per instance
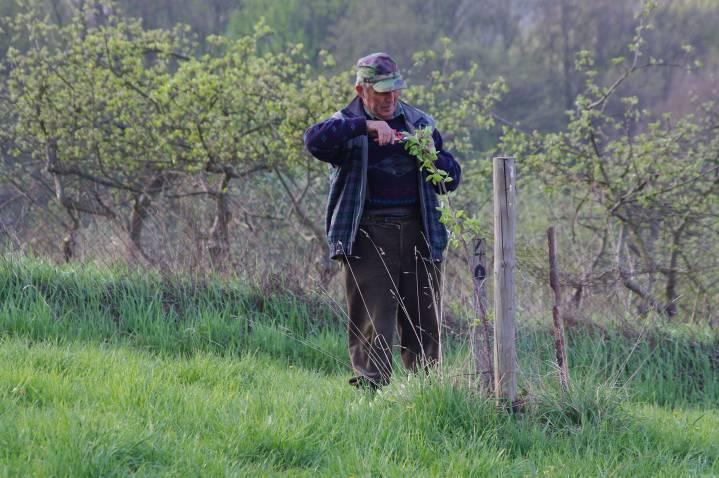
(391, 213)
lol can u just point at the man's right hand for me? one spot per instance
(380, 131)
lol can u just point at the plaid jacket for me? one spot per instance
(348, 186)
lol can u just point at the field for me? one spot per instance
(110, 373)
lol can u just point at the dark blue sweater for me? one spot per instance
(391, 170)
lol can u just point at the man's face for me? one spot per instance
(382, 105)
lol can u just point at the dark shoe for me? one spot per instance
(364, 383)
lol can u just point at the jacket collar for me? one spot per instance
(356, 109)
(413, 117)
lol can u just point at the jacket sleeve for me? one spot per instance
(326, 140)
(446, 162)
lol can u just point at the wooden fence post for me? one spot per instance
(480, 336)
(559, 347)
(505, 354)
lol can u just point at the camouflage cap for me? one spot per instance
(381, 71)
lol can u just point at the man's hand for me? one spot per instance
(380, 132)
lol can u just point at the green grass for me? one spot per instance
(108, 373)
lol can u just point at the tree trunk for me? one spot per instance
(672, 273)
(68, 243)
(567, 55)
(219, 246)
(136, 224)
(625, 274)
(134, 253)
(559, 342)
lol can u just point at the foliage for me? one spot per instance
(121, 114)
(108, 121)
(462, 105)
(95, 94)
(87, 109)
(291, 22)
(421, 146)
(641, 188)
(530, 43)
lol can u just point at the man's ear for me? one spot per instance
(359, 89)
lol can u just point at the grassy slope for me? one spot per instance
(112, 374)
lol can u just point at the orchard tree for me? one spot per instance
(639, 189)
(88, 111)
(239, 111)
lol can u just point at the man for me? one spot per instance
(382, 222)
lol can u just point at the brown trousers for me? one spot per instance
(391, 283)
